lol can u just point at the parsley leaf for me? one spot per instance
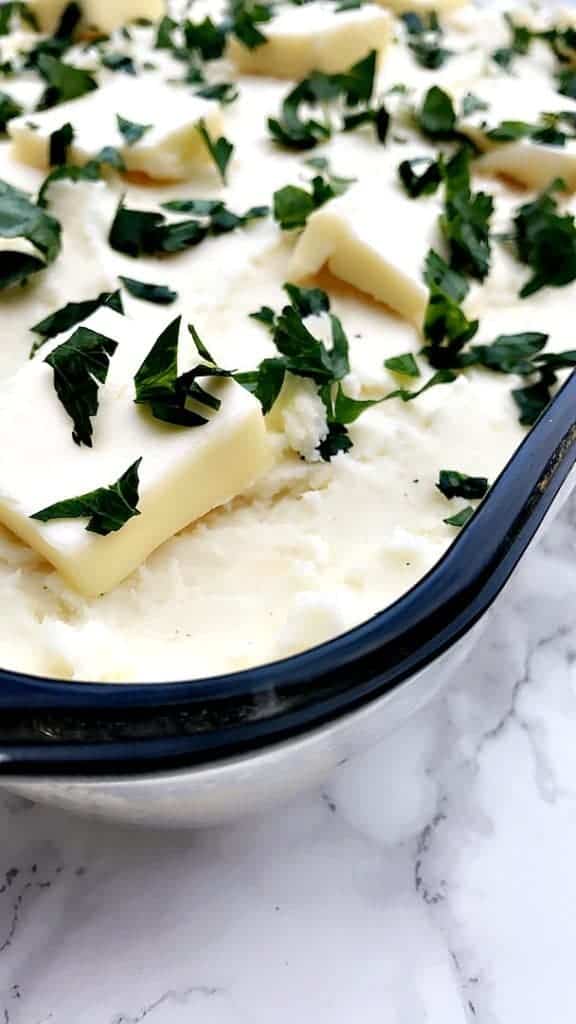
(446, 327)
(246, 17)
(107, 509)
(466, 220)
(293, 205)
(566, 82)
(215, 215)
(138, 232)
(65, 82)
(159, 386)
(60, 142)
(545, 241)
(71, 314)
(205, 37)
(222, 92)
(424, 37)
(307, 301)
(157, 293)
(9, 108)
(220, 150)
(265, 383)
(437, 117)
(80, 365)
(307, 356)
(131, 131)
(290, 130)
(440, 377)
(119, 62)
(460, 518)
(405, 365)
(20, 218)
(533, 399)
(420, 176)
(453, 484)
(509, 353)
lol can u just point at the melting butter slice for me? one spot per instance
(185, 472)
(530, 163)
(421, 6)
(102, 14)
(171, 149)
(376, 239)
(314, 38)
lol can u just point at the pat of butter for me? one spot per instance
(171, 149)
(420, 6)
(314, 38)
(185, 472)
(101, 14)
(376, 239)
(530, 163)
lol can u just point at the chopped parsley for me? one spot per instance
(80, 367)
(424, 38)
(460, 518)
(168, 395)
(71, 314)
(204, 37)
(21, 218)
(405, 365)
(437, 117)
(446, 327)
(9, 108)
(354, 89)
(545, 241)
(453, 484)
(466, 219)
(220, 149)
(60, 142)
(107, 509)
(221, 92)
(293, 204)
(130, 131)
(65, 82)
(420, 176)
(246, 18)
(141, 232)
(159, 294)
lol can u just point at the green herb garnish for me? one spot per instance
(9, 108)
(466, 220)
(21, 218)
(424, 37)
(131, 131)
(545, 241)
(107, 509)
(420, 176)
(246, 17)
(80, 367)
(169, 395)
(159, 294)
(65, 82)
(460, 518)
(60, 142)
(446, 327)
(71, 314)
(437, 117)
(220, 150)
(453, 484)
(405, 365)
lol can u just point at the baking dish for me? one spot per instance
(209, 750)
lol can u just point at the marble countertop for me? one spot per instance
(431, 882)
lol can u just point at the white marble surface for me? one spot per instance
(430, 883)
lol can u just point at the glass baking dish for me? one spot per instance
(210, 749)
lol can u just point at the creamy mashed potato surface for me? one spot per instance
(314, 547)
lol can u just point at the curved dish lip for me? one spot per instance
(101, 728)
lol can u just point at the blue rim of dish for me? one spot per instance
(65, 728)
